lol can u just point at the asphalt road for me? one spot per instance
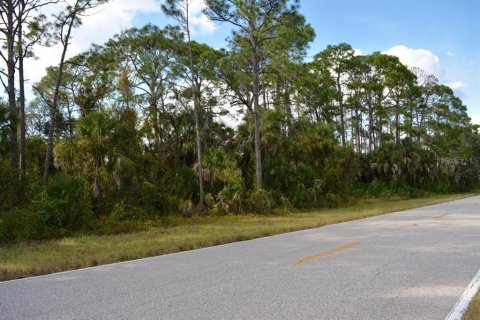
(413, 264)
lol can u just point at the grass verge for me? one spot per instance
(36, 258)
(473, 312)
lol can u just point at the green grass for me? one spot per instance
(36, 258)
(473, 312)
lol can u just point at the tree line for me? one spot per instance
(152, 123)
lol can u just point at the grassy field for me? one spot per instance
(473, 312)
(27, 259)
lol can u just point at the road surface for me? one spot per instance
(413, 264)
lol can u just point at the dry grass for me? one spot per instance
(473, 312)
(27, 259)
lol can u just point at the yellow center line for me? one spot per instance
(326, 253)
(441, 216)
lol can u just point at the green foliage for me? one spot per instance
(467, 174)
(394, 164)
(126, 151)
(180, 182)
(7, 124)
(340, 171)
(62, 208)
(258, 201)
(225, 182)
(72, 202)
(123, 218)
(151, 198)
(7, 190)
(291, 180)
(103, 151)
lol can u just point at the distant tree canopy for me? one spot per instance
(127, 119)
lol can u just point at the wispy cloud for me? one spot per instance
(456, 85)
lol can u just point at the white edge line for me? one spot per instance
(462, 305)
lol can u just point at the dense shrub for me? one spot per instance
(466, 174)
(288, 178)
(8, 192)
(258, 201)
(181, 183)
(123, 218)
(63, 207)
(224, 183)
(74, 206)
(397, 165)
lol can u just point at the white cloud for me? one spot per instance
(357, 52)
(104, 22)
(99, 25)
(476, 118)
(200, 22)
(458, 88)
(420, 58)
(449, 54)
(430, 63)
(456, 85)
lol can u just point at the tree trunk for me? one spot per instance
(397, 122)
(54, 106)
(256, 114)
(342, 125)
(153, 109)
(199, 146)
(287, 107)
(196, 106)
(22, 103)
(370, 124)
(48, 153)
(10, 61)
(11, 84)
(352, 130)
(357, 131)
(340, 105)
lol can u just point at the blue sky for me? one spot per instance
(440, 36)
(449, 29)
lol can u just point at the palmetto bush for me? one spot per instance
(396, 165)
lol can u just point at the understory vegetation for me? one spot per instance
(152, 125)
(175, 233)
